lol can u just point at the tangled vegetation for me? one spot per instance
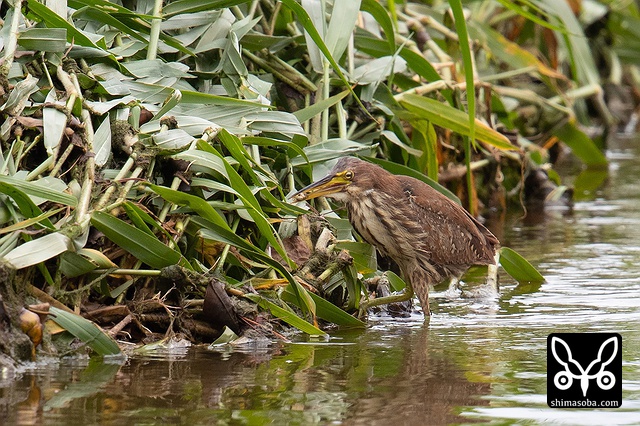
(148, 149)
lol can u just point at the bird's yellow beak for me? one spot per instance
(328, 185)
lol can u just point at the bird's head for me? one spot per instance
(348, 176)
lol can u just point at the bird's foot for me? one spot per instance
(454, 290)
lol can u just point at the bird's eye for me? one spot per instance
(348, 175)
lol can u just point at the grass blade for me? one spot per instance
(307, 23)
(325, 310)
(446, 116)
(145, 247)
(40, 191)
(39, 250)
(463, 39)
(213, 231)
(86, 331)
(581, 145)
(315, 109)
(380, 14)
(341, 26)
(27, 207)
(198, 205)
(286, 316)
(43, 39)
(518, 267)
(54, 121)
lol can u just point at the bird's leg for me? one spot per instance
(454, 285)
(406, 294)
(492, 275)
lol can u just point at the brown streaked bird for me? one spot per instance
(429, 236)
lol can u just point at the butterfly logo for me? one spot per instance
(564, 379)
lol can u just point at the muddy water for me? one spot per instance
(478, 361)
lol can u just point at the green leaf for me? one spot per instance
(133, 211)
(307, 23)
(20, 94)
(463, 38)
(203, 161)
(225, 338)
(97, 13)
(52, 20)
(191, 97)
(31, 221)
(239, 153)
(269, 142)
(587, 183)
(286, 316)
(363, 254)
(107, 6)
(582, 57)
(218, 229)
(255, 210)
(97, 257)
(125, 21)
(510, 52)
(325, 310)
(215, 232)
(121, 288)
(315, 109)
(518, 267)
(191, 6)
(38, 250)
(341, 25)
(86, 331)
(195, 126)
(40, 191)
(54, 123)
(330, 149)
(446, 116)
(424, 137)
(380, 14)
(172, 140)
(145, 247)
(135, 218)
(394, 139)
(172, 100)
(216, 186)
(198, 205)
(378, 70)
(43, 39)
(73, 265)
(581, 145)
(378, 48)
(102, 142)
(515, 7)
(397, 283)
(24, 203)
(274, 122)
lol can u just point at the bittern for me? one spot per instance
(429, 236)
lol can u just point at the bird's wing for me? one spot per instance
(451, 235)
